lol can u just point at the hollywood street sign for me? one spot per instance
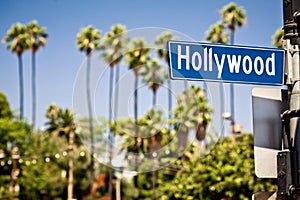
(215, 62)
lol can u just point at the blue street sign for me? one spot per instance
(224, 63)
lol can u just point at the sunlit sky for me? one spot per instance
(58, 64)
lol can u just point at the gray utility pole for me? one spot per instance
(288, 160)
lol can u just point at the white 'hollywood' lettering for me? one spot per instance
(235, 63)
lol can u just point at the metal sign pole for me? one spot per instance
(288, 161)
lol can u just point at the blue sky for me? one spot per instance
(60, 61)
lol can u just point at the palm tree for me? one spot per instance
(61, 123)
(17, 37)
(87, 40)
(137, 56)
(278, 37)
(154, 75)
(218, 34)
(162, 51)
(114, 44)
(37, 39)
(151, 129)
(192, 111)
(233, 16)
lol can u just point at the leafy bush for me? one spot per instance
(226, 173)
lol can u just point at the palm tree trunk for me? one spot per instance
(185, 85)
(33, 86)
(169, 102)
(182, 137)
(21, 87)
(153, 166)
(222, 108)
(117, 91)
(111, 137)
(167, 59)
(232, 37)
(231, 85)
(136, 81)
(232, 100)
(90, 113)
(71, 165)
(205, 86)
(232, 89)
(154, 99)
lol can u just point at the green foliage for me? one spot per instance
(277, 38)
(5, 111)
(151, 129)
(42, 177)
(226, 173)
(18, 38)
(37, 36)
(192, 107)
(191, 111)
(22, 37)
(44, 163)
(114, 44)
(153, 74)
(145, 187)
(13, 134)
(88, 39)
(162, 44)
(137, 54)
(217, 34)
(44, 168)
(233, 16)
(61, 122)
(128, 191)
(82, 130)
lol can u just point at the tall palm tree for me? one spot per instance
(278, 37)
(37, 39)
(18, 41)
(162, 51)
(137, 55)
(218, 34)
(87, 40)
(154, 75)
(114, 44)
(61, 123)
(233, 17)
